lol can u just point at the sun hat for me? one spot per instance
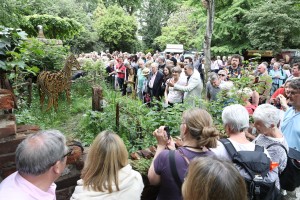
(145, 71)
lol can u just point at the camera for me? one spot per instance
(168, 131)
(276, 103)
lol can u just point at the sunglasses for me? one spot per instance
(221, 74)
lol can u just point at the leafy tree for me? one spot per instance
(130, 6)
(10, 15)
(153, 16)
(181, 29)
(54, 27)
(116, 28)
(274, 25)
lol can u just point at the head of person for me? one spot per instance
(161, 60)
(235, 61)
(266, 118)
(294, 93)
(167, 71)
(141, 63)
(107, 155)
(282, 62)
(154, 67)
(224, 58)
(218, 57)
(169, 63)
(262, 68)
(148, 64)
(235, 118)
(211, 179)
(197, 125)
(120, 59)
(41, 153)
(222, 75)
(176, 72)
(276, 66)
(188, 69)
(296, 70)
(215, 81)
(273, 60)
(286, 87)
(146, 72)
(188, 60)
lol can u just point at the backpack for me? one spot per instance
(257, 166)
(290, 177)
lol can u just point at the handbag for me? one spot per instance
(290, 177)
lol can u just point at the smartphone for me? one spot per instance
(168, 132)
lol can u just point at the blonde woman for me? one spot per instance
(213, 179)
(174, 96)
(107, 174)
(198, 136)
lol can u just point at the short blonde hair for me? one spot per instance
(107, 155)
(211, 178)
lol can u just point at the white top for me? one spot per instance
(130, 184)
(222, 153)
(175, 96)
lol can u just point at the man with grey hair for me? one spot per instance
(40, 160)
(213, 87)
(155, 82)
(161, 63)
(291, 126)
(263, 82)
(194, 86)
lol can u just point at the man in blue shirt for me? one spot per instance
(291, 124)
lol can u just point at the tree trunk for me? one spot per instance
(210, 6)
(97, 99)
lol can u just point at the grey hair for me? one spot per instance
(236, 117)
(38, 152)
(267, 114)
(264, 64)
(162, 58)
(277, 64)
(295, 83)
(154, 64)
(140, 61)
(213, 77)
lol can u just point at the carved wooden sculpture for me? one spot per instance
(51, 84)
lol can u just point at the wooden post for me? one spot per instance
(97, 100)
(29, 87)
(117, 115)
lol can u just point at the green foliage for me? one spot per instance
(54, 27)
(182, 28)
(43, 56)
(10, 41)
(153, 16)
(116, 28)
(274, 25)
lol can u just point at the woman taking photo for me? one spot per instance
(106, 173)
(174, 96)
(198, 135)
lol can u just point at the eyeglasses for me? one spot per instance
(175, 72)
(221, 74)
(292, 92)
(69, 153)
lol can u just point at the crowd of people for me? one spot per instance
(199, 165)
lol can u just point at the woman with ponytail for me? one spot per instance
(170, 165)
